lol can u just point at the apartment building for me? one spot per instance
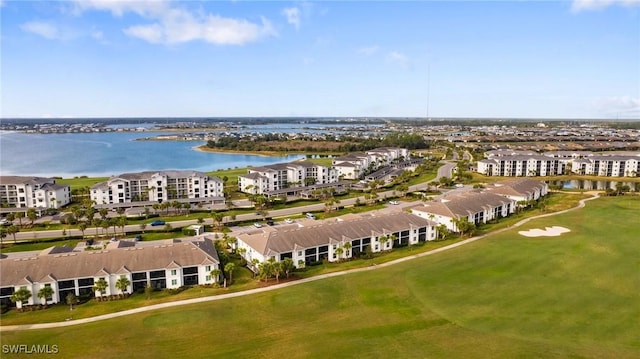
(157, 186)
(356, 165)
(33, 192)
(316, 241)
(164, 264)
(260, 180)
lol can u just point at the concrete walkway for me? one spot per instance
(581, 204)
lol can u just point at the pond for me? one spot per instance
(593, 185)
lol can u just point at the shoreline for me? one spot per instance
(204, 148)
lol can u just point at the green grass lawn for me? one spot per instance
(504, 296)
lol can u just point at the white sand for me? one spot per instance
(547, 232)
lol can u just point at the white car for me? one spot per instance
(394, 202)
(257, 225)
(288, 221)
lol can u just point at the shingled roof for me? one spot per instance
(78, 264)
(292, 237)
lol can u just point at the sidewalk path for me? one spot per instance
(581, 204)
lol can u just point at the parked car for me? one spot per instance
(288, 221)
(310, 215)
(157, 223)
(270, 222)
(257, 225)
(393, 202)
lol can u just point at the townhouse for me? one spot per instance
(260, 180)
(521, 166)
(496, 201)
(316, 241)
(33, 192)
(475, 207)
(157, 186)
(163, 264)
(519, 189)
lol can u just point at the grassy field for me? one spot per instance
(504, 296)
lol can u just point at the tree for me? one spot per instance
(45, 293)
(383, 239)
(229, 268)
(71, 300)
(215, 274)
(143, 226)
(217, 217)
(100, 286)
(122, 283)
(338, 252)
(167, 227)
(19, 216)
(464, 226)
(288, 266)
(103, 212)
(276, 268)
(3, 233)
(265, 270)
(442, 231)
(82, 226)
(347, 249)
(20, 296)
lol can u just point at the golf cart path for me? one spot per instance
(581, 204)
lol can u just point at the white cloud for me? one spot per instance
(171, 24)
(587, 5)
(45, 29)
(148, 8)
(368, 50)
(398, 58)
(624, 106)
(293, 16)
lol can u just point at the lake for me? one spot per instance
(111, 153)
(593, 185)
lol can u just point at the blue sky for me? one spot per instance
(516, 59)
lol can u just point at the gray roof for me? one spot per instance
(64, 264)
(518, 187)
(292, 237)
(25, 180)
(462, 205)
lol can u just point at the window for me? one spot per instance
(174, 272)
(207, 269)
(174, 282)
(207, 278)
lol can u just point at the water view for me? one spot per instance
(593, 185)
(111, 153)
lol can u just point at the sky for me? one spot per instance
(437, 59)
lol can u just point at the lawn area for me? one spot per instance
(503, 296)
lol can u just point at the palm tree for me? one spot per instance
(287, 266)
(100, 286)
(12, 230)
(217, 217)
(122, 283)
(3, 233)
(82, 226)
(229, 269)
(338, 251)
(143, 226)
(383, 241)
(45, 293)
(347, 249)
(20, 296)
(19, 216)
(215, 274)
(71, 300)
(32, 215)
(103, 212)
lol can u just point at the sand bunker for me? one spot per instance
(547, 232)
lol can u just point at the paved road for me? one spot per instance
(446, 170)
(581, 204)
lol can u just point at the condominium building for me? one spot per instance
(519, 164)
(260, 180)
(316, 241)
(357, 165)
(164, 264)
(33, 192)
(157, 186)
